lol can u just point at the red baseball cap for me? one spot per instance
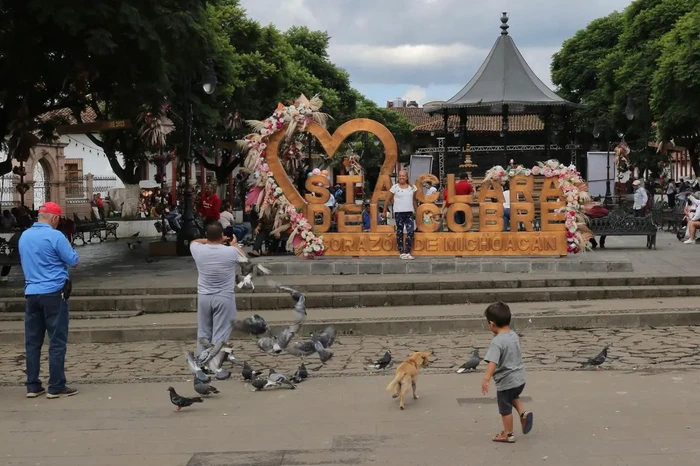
(50, 208)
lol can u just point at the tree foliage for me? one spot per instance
(609, 66)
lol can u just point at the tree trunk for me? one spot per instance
(694, 159)
(132, 194)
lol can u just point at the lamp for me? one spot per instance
(376, 142)
(629, 109)
(596, 131)
(209, 81)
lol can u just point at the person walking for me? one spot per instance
(216, 302)
(671, 193)
(46, 254)
(640, 199)
(402, 196)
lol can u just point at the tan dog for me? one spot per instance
(406, 373)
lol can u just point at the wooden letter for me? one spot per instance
(491, 190)
(521, 187)
(460, 207)
(521, 212)
(419, 184)
(491, 216)
(322, 191)
(381, 190)
(426, 212)
(374, 227)
(325, 213)
(552, 221)
(349, 182)
(551, 190)
(350, 213)
(452, 197)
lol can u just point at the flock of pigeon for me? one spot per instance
(210, 360)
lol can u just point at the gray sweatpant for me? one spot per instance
(215, 315)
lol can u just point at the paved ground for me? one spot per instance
(633, 349)
(581, 419)
(114, 264)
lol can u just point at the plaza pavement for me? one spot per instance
(606, 418)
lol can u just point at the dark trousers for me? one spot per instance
(671, 200)
(594, 243)
(404, 220)
(639, 212)
(239, 231)
(260, 238)
(46, 313)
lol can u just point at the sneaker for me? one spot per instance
(66, 392)
(36, 393)
(689, 241)
(526, 419)
(402, 256)
(409, 257)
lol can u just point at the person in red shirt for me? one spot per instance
(462, 188)
(209, 205)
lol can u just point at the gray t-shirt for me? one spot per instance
(216, 265)
(505, 352)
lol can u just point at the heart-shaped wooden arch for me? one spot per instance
(330, 145)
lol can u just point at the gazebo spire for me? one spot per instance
(504, 24)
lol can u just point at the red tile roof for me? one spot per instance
(485, 124)
(65, 114)
(425, 123)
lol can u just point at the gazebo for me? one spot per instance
(506, 85)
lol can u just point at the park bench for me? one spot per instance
(622, 223)
(110, 228)
(9, 250)
(85, 227)
(673, 218)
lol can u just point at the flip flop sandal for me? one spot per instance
(526, 419)
(504, 438)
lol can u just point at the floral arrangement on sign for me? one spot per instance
(265, 193)
(351, 162)
(575, 193)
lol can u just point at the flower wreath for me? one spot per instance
(574, 190)
(265, 193)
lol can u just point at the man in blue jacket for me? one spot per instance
(45, 255)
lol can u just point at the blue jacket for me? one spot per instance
(45, 254)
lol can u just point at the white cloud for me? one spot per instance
(407, 55)
(416, 93)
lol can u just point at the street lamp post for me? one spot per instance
(189, 230)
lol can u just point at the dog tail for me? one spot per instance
(393, 383)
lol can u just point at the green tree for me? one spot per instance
(676, 86)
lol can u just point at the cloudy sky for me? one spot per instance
(428, 49)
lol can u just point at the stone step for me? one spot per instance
(79, 315)
(368, 283)
(156, 304)
(417, 320)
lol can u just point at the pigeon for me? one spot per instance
(471, 364)
(204, 388)
(326, 337)
(302, 349)
(229, 355)
(284, 338)
(279, 380)
(133, 246)
(195, 368)
(182, 401)
(383, 362)
(249, 271)
(248, 373)
(269, 345)
(323, 353)
(255, 325)
(299, 308)
(136, 235)
(259, 383)
(597, 360)
(300, 374)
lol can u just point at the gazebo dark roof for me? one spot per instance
(504, 78)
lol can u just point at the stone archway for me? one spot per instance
(42, 183)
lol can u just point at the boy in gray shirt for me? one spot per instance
(508, 371)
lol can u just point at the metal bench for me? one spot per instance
(83, 227)
(110, 228)
(621, 223)
(673, 218)
(9, 250)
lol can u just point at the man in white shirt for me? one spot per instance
(640, 199)
(216, 302)
(428, 188)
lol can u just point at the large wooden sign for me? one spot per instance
(459, 240)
